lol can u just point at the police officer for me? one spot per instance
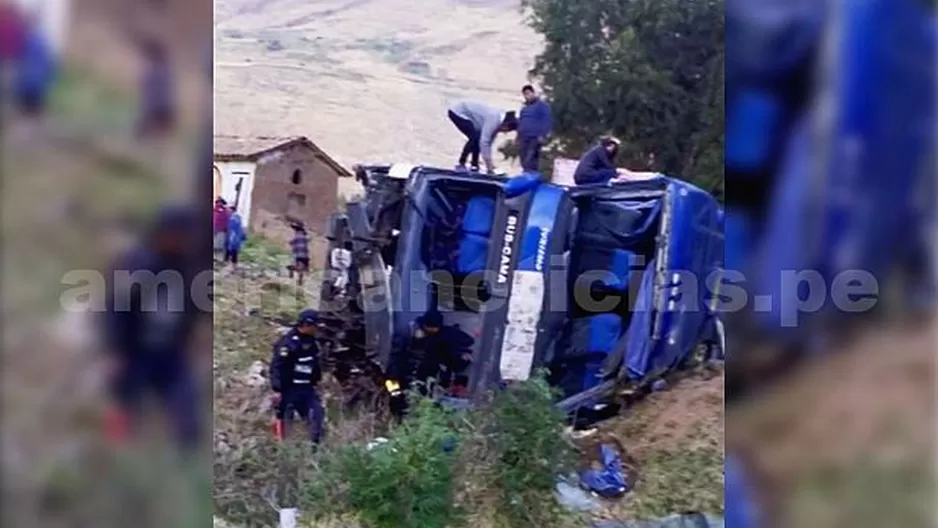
(148, 322)
(294, 373)
(440, 352)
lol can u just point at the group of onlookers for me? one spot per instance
(29, 68)
(533, 124)
(230, 234)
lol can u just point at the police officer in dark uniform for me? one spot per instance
(294, 373)
(148, 322)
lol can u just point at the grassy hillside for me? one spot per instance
(673, 440)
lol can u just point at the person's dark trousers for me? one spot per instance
(173, 384)
(473, 137)
(529, 149)
(307, 403)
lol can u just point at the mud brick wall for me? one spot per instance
(281, 195)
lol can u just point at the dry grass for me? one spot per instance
(368, 80)
(849, 440)
(674, 445)
(673, 440)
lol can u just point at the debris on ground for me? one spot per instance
(575, 498)
(685, 520)
(608, 481)
(255, 376)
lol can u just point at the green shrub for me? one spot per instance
(500, 469)
(408, 481)
(529, 451)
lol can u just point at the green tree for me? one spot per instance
(648, 71)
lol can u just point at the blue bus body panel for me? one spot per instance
(690, 248)
(539, 228)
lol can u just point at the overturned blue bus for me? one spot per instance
(602, 286)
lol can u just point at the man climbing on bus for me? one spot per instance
(480, 123)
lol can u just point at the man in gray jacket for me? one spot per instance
(480, 123)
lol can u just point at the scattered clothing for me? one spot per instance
(340, 262)
(485, 122)
(596, 166)
(608, 482)
(575, 498)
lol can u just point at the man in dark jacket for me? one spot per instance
(148, 325)
(432, 350)
(598, 164)
(440, 352)
(294, 373)
(534, 125)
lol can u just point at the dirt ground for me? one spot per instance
(673, 443)
(837, 440)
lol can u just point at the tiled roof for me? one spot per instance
(235, 148)
(248, 146)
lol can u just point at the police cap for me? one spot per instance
(431, 319)
(308, 317)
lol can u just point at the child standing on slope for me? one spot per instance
(299, 246)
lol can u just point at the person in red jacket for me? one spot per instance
(12, 41)
(220, 216)
(12, 33)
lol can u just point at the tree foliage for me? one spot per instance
(648, 71)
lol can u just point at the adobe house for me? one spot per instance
(276, 180)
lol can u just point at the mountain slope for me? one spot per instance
(368, 80)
